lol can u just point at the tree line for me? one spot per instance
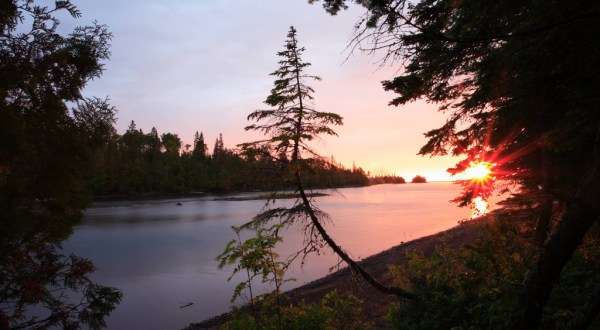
(145, 163)
(515, 83)
(57, 147)
(516, 80)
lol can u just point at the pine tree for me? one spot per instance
(200, 147)
(291, 124)
(173, 178)
(152, 144)
(46, 150)
(219, 148)
(199, 163)
(516, 82)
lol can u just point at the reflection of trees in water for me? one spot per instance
(36, 277)
(45, 151)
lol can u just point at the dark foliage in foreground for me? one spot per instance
(475, 286)
(519, 86)
(335, 311)
(45, 150)
(289, 125)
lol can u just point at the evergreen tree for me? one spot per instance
(133, 175)
(219, 148)
(290, 124)
(96, 117)
(173, 179)
(200, 147)
(46, 150)
(152, 144)
(152, 160)
(133, 141)
(199, 163)
(515, 80)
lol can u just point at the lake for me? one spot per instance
(162, 256)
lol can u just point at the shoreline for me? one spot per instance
(375, 303)
(159, 195)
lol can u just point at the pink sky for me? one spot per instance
(185, 66)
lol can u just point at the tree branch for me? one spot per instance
(399, 292)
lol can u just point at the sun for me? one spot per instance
(478, 171)
(480, 180)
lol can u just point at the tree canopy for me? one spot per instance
(292, 122)
(138, 163)
(290, 125)
(518, 85)
(48, 133)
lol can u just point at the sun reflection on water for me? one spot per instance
(479, 207)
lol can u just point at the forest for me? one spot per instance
(517, 81)
(517, 84)
(148, 163)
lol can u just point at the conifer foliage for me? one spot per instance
(517, 83)
(45, 150)
(292, 122)
(290, 125)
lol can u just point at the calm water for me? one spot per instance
(162, 256)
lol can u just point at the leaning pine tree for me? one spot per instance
(289, 125)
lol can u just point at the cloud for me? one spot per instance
(188, 65)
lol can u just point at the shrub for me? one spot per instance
(476, 286)
(418, 179)
(336, 311)
(473, 286)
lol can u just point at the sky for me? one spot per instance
(203, 65)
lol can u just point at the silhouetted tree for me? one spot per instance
(418, 179)
(200, 147)
(219, 148)
(133, 175)
(199, 163)
(152, 144)
(171, 144)
(515, 80)
(152, 160)
(95, 116)
(172, 175)
(138, 163)
(290, 124)
(46, 150)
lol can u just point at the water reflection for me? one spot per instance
(162, 255)
(40, 286)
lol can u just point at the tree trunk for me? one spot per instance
(554, 255)
(399, 292)
(545, 207)
(543, 224)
